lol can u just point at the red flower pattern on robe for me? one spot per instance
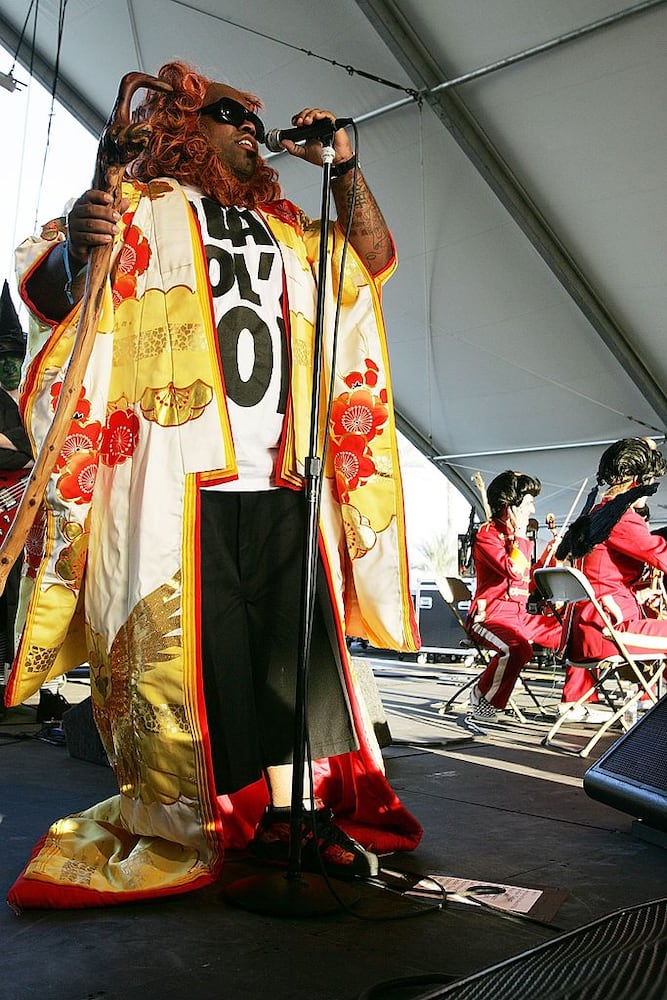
(357, 417)
(83, 435)
(369, 377)
(134, 258)
(83, 405)
(358, 412)
(80, 437)
(120, 437)
(124, 287)
(77, 482)
(353, 464)
(33, 552)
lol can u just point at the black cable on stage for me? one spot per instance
(52, 734)
(15, 738)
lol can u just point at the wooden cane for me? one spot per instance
(120, 143)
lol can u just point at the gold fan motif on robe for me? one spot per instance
(171, 405)
(359, 534)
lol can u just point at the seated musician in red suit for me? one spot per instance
(613, 544)
(498, 617)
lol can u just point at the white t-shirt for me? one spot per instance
(246, 274)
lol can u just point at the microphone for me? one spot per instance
(318, 130)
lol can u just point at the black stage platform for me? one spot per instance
(496, 806)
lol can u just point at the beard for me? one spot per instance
(194, 161)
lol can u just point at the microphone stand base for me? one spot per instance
(281, 894)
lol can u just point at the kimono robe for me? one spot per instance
(111, 570)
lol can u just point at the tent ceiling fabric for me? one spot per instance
(526, 319)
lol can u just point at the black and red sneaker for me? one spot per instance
(324, 846)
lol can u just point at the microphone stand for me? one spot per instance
(294, 893)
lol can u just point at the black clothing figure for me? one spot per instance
(15, 450)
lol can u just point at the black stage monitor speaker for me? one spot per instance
(632, 774)
(438, 624)
(622, 956)
(83, 740)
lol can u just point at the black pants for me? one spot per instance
(251, 565)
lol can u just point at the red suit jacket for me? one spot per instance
(502, 567)
(614, 569)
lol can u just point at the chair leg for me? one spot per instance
(549, 739)
(446, 706)
(616, 717)
(562, 720)
(516, 711)
(533, 697)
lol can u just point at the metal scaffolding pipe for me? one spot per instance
(519, 450)
(476, 74)
(568, 36)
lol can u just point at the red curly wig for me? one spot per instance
(179, 147)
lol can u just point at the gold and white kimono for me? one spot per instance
(111, 564)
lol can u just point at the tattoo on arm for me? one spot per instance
(369, 234)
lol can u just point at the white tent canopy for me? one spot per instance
(526, 319)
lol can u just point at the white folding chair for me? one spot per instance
(454, 590)
(564, 585)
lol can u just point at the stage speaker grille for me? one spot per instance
(81, 735)
(632, 774)
(622, 956)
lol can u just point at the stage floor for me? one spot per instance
(496, 806)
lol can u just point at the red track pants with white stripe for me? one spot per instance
(511, 638)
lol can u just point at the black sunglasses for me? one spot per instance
(230, 112)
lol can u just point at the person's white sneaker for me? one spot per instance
(591, 713)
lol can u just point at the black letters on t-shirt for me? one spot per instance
(240, 227)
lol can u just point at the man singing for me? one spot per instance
(171, 547)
